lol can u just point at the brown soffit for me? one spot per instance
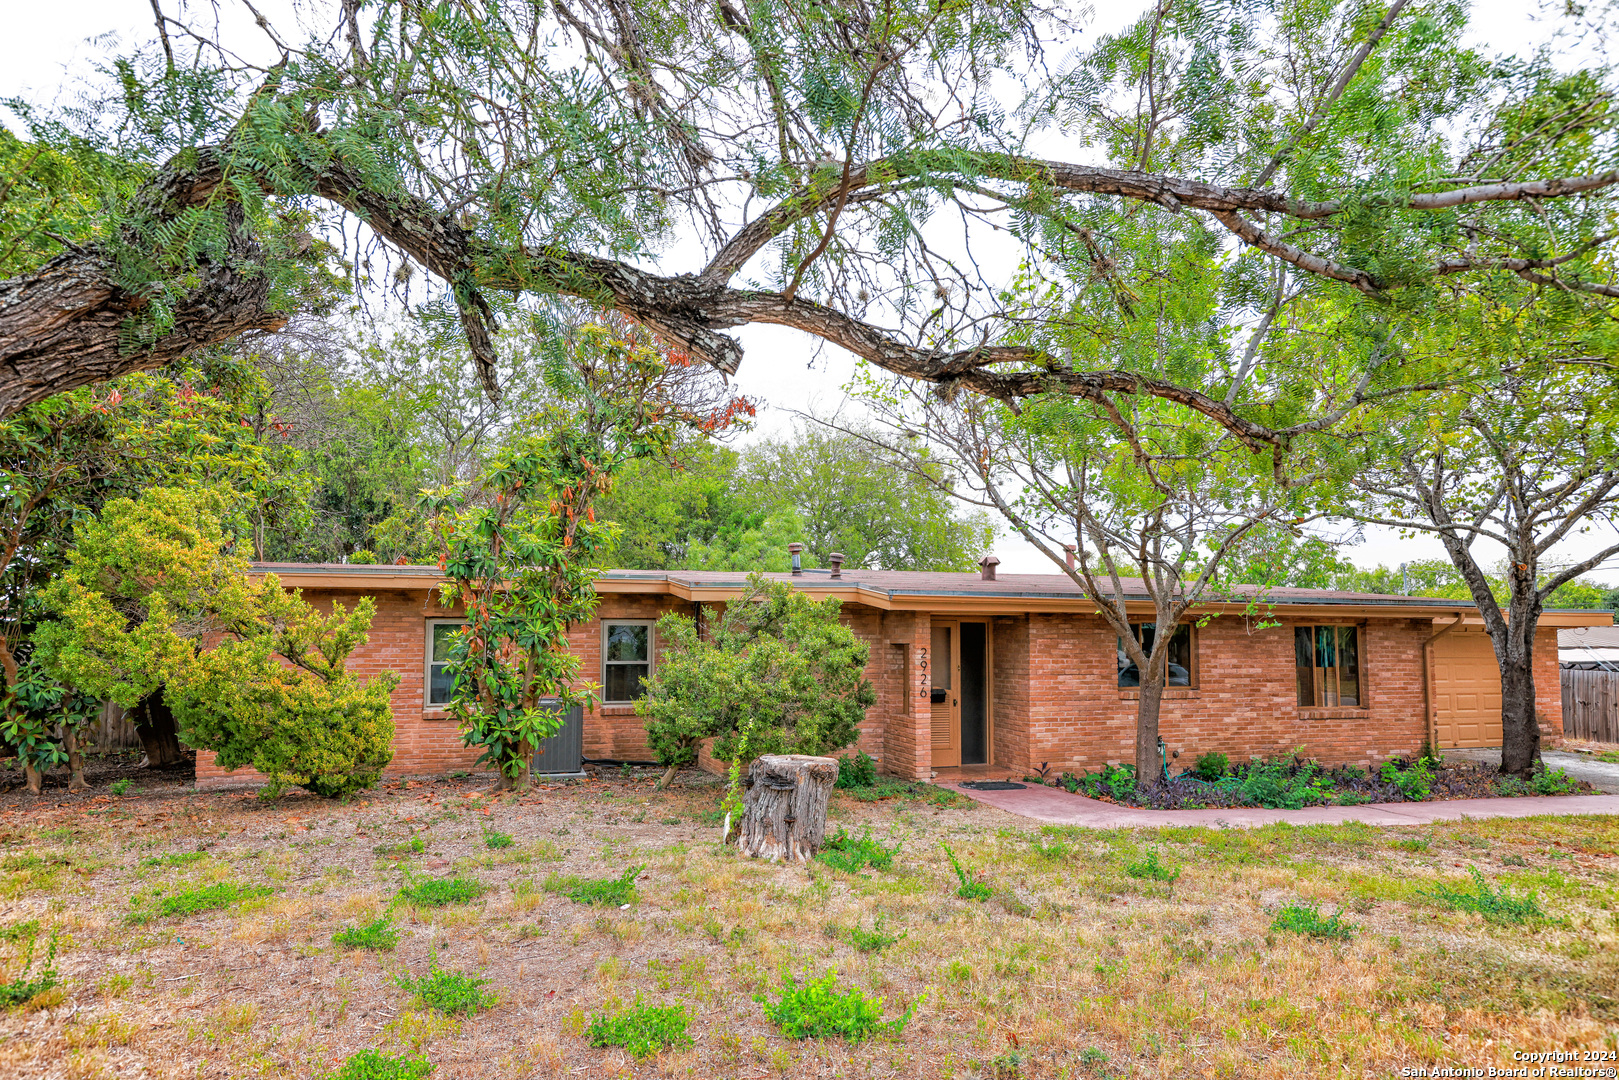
(383, 578)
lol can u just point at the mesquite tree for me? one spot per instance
(1527, 458)
(520, 547)
(702, 166)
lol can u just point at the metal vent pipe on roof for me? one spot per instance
(797, 550)
(836, 559)
(986, 567)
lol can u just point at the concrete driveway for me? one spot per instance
(1602, 775)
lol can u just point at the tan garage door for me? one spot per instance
(1467, 691)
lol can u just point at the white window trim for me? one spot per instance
(651, 652)
(427, 664)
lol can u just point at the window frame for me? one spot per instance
(1363, 689)
(427, 665)
(1192, 666)
(651, 654)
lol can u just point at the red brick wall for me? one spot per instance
(427, 740)
(1009, 695)
(1055, 693)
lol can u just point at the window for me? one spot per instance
(440, 640)
(1328, 664)
(1180, 655)
(626, 660)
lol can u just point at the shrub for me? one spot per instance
(1495, 905)
(1211, 766)
(857, 770)
(23, 989)
(379, 934)
(818, 1009)
(1152, 870)
(844, 852)
(209, 898)
(1307, 919)
(439, 892)
(605, 891)
(1117, 782)
(1415, 782)
(1552, 782)
(1284, 784)
(971, 888)
(373, 1065)
(274, 694)
(449, 991)
(776, 657)
(643, 1030)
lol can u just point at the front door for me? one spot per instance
(960, 699)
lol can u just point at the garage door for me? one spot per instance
(1467, 691)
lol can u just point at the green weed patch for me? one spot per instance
(1494, 904)
(818, 1009)
(602, 891)
(380, 934)
(1307, 919)
(849, 854)
(374, 1065)
(441, 892)
(451, 992)
(971, 888)
(642, 1030)
(1150, 869)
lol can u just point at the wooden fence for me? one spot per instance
(1590, 704)
(111, 731)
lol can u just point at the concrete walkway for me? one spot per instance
(1056, 807)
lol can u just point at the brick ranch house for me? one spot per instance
(978, 672)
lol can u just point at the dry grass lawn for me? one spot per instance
(1073, 967)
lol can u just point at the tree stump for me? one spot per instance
(784, 806)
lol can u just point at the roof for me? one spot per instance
(910, 590)
(1589, 646)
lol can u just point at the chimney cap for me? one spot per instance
(987, 567)
(836, 559)
(795, 547)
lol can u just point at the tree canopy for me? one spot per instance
(846, 170)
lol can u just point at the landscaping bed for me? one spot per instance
(1293, 783)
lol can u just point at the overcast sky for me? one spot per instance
(47, 47)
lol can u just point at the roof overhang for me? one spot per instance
(382, 578)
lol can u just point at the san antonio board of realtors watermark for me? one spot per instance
(1532, 1064)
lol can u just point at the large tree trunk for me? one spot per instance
(784, 808)
(1520, 727)
(34, 779)
(154, 723)
(1149, 763)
